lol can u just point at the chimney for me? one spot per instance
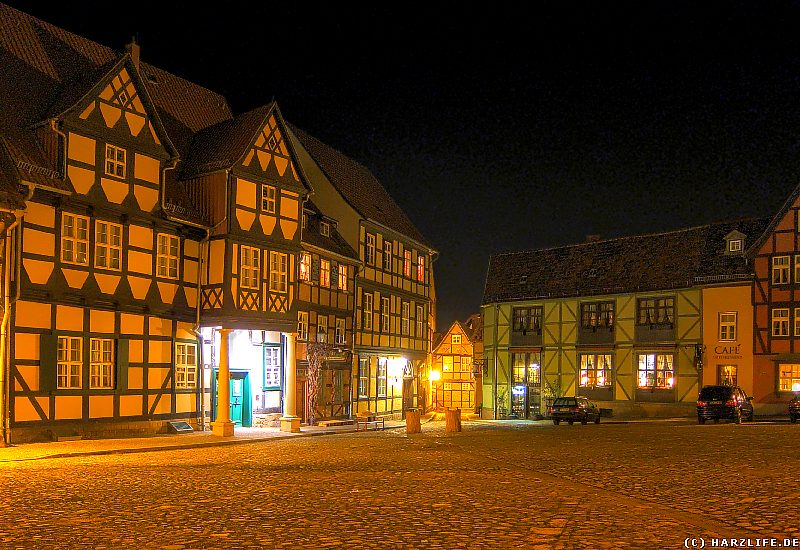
(594, 238)
(133, 49)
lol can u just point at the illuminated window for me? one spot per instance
(322, 328)
(420, 321)
(780, 270)
(797, 267)
(250, 267)
(115, 161)
(405, 314)
(369, 257)
(447, 365)
(277, 271)
(363, 377)
(727, 326)
(367, 311)
(526, 368)
(272, 367)
(74, 239)
(101, 364)
(268, 199)
(421, 268)
(305, 266)
(726, 375)
(780, 322)
(325, 229)
(382, 377)
(455, 339)
(70, 362)
(168, 252)
(656, 311)
(339, 335)
(185, 366)
(108, 245)
(735, 245)
(595, 371)
(302, 325)
(788, 377)
(656, 371)
(407, 263)
(343, 278)
(325, 273)
(597, 315)
(387, 255)
(385, 314)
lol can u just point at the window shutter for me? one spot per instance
(334, 275)
(48, 362)
(123, 357)
(315, 270)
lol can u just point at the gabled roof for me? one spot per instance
(753, 247)
(474, 323)
(441, 336)
(335, 243)
(359, 187)
(662, 261)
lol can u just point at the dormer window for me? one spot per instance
(735, 245)
(325, 229)
(734, 242)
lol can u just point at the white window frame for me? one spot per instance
(595, 370)
(662, 373)
(272, 367)
(366, 310)
(342, 277)
(115, 162)
(421, 268)
(369, 249)
(735, 245)
(728, 326)
(340, 334)
(382, 376)
(305, 266)
(302, 325)
(322, 328)
(249, 267)
(780, 270)
(101, 363)
(278, 267)
(386, 308)
(387, 255)
(325, 229)
(420, 320)
(407, 263)
(74, 239)
(363, 378)
(107, 245)
(185, 366)
(780, 321)
(168, 255)
(269, 199)
(797, 321)
(455, 338)
(405, 314)
(69, 363)
(788, 377)
(324, 273)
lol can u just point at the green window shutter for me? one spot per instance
(334, 275)
(315, 270)
(48, 362)
(123, 355)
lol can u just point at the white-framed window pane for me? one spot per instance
(277, 275)
(74, 239)
(168, 248)
(302, 325)
(69, 362)
(185, 366)
(115, 161)
(342, 278)
(101, 364)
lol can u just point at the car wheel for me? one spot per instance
(597, 420)
(570, 422)
(738, 416)
(792, 419)
(556, 421)
(701, 420)
(585, 419)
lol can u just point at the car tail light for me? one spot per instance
(701, 403)
(575, 409)
(552, 410)
(731, 402)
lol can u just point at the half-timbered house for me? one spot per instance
(453, 384)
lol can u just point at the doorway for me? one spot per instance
(241, 407)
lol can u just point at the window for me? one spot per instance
(339, 335)
(405, 314)
(325, 229)
(322, 328)
(656, 371)
(272, 367)
(526, 368)
(788, 377)
(407, 264)
(455, 339)
(70, 361)
(305, 266)
(780, 270)
(421, 268)
(387, 255)
(735, 245)
(250, 272)
(367, 311)
(185, 366)
(797, 321)
(726, 375)
(363, 377)
(324, 273)
(526, 319)
(302, 325)
(74, 239)
(343, 278)
(420, 321)
(115, 161)
(108, 245)
(382, 377)
(304, 221)
(598, 314)
(595, 371)
(797, 268)
(780, 322)
(727, 326)
(168, 252)
(385, 314)
(101, 364)
(268, 199)
(277, 271)
(369, 255)
(655, 311)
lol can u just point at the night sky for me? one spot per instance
(497, 130)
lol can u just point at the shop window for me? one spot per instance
(656, 371)
(595, 370)
(726, 375)
(789, 377)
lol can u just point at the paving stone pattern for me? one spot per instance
(494, 485)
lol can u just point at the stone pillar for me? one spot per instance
(223, 426)
(289, 421)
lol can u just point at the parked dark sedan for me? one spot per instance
(794, 409)
(574, 409)
(727, 402)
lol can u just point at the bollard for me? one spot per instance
(452, 420)
(413, 421)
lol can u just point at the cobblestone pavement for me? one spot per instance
(495, 485)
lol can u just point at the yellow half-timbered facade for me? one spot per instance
(453, 374)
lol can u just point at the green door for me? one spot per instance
(237, 400)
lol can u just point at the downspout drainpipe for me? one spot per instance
(496, 355)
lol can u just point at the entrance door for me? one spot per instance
(237, 396)
(241, 409)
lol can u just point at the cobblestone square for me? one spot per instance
(494, 485)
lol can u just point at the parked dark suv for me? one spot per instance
(574, 409)
(794, 409)
(729, 402)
